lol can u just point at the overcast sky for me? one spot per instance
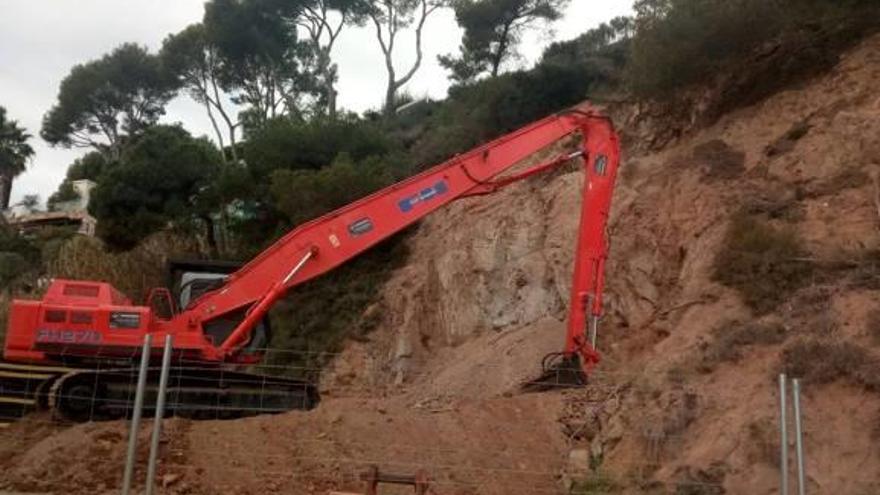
(40, 40)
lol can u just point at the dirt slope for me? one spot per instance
(484, 297)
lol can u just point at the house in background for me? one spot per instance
(83, 189)
(71, 213)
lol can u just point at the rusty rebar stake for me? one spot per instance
(373, 477)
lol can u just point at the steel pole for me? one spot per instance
(799, 437)
(136, 415)
(783, 438)
(158, 415)
(594, 330)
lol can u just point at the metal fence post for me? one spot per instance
(783, 437)
(136, 415)
(158, 415)
(799, 437)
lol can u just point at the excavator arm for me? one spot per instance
(323, 244)
(84, 323)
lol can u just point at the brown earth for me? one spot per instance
(483, 298)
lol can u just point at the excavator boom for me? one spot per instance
(326, 242)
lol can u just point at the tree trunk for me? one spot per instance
(390, 94)
(5, 191)
(502, 48)
(229, 124)
(395, 84)
(225, 241)
(210, 236)
(220, 141)
(331, 100)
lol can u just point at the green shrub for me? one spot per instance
(317, 317)
(18, 257)
(765, 264)
(680, 43)
(481, 111)
(306, 194)
(287, 144)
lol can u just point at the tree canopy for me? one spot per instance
(15, 151)
(194, 60)
(492, 30)
(261, 59)
(163, 177)
(103, 102)
(304, 194)
(311, 145)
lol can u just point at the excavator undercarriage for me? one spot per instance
(101, 394)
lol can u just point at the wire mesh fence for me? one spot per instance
(228, 432)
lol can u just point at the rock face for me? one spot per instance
(484, 293)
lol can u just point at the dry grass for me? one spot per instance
(718, 160)
(597, 485)
(776, 204)
(787, 141)
(763, 443)
(819, 361)
(133, 272)
(707, 481)
(766, 264)
(732, 336)
(864, 273)
(872, 325)
(848, 178)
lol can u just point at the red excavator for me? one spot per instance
(73, 351)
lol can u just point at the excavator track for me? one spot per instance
(105, 394)
(24, 387)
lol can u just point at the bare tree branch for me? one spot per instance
(389, 19)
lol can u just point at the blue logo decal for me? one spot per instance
(407, 204)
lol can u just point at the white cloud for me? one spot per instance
(41, 41)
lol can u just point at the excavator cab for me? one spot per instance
(189, 279)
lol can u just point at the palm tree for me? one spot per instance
(14, 154)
